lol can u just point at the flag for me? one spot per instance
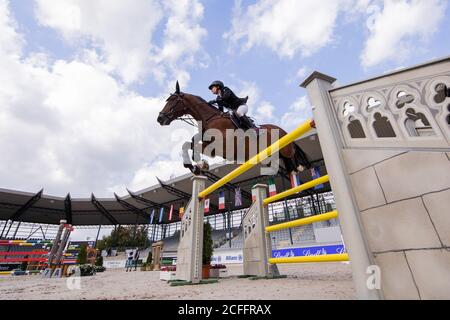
(181, 212)
(295, 180)
(222, 200)
(161, 213)
(254, 194)
(170, 213)
(315, 173)
(237, 197)
(152, 216)
(272, 188)
(206, 205)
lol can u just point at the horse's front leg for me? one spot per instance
(185, 154)
(196, 147)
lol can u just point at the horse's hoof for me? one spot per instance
(204, 165)
(196, 170)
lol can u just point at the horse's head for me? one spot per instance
(174, 108)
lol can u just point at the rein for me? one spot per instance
(189, 119)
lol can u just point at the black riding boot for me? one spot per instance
(248, 124)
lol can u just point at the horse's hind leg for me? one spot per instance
(289, 164)
(301, 161)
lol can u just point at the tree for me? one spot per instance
(82, 255)
(124, 237)
(207, 244)
(99, 261)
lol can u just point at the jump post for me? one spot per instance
(258, 259)
(386, 145)
(49, 262)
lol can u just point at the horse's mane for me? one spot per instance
(204, 101)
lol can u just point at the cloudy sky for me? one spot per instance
(82, 81)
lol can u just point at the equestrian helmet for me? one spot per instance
(217, 84)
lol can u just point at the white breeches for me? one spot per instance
(242, 110)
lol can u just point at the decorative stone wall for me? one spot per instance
(392, 140)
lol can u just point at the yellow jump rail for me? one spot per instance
(306, 259)
(303, 187)
(280, 144)
(303, 221)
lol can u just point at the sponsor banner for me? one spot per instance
(76, 245)
(227, 257)
(308, 251)
(116, 264)
(9, 266)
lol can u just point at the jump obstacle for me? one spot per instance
(258, 260)
(386, 145)
(52, 262)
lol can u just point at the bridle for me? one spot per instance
(187, 119)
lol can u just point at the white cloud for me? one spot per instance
(290, 28)
(10, 41)
(302, 72)
(259, 109)
(399, 28)
(287, 27)
(124, 33)
(299, 112)
(163, 169)
(182, 39)
(69, 126)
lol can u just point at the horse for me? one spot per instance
(180, 104)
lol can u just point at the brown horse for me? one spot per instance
(208, 117)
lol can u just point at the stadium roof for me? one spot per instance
(136, 207)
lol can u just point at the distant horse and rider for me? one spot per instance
(179, 105)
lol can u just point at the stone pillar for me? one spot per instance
(318, 86)
(156, 255)
(190, 248)
(257, 243)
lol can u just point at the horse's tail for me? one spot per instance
(301, 159)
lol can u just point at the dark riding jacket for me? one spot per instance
(229, 100)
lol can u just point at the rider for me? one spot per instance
(226, 98)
